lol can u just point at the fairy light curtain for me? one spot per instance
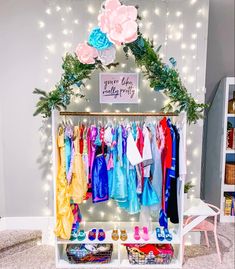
(181, 28)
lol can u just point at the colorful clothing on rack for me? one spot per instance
(137, 165)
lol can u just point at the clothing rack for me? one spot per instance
(118, 260)
(137, 114)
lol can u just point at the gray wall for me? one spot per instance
(220, 52)
(220, 57)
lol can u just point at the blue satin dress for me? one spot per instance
(119, 186)
(99, 182)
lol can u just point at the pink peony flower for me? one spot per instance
(86, 54)
(112, 4)
(119, 22)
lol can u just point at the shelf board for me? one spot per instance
(174, 264)
(115, 264)
(230, 151)
(229, 115)
(65, 264)
(130, 239)
(224, 218)
(228, 188)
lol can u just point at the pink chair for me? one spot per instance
(206, 226)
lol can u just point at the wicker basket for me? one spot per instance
(78, 253)
(164, 256)
(230, 173)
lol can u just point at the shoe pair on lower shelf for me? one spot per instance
(80, 236)
(165, 234)
(144, 234)
(123, 235)
(92, 235)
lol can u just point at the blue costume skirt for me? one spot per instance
(149, 196)
(100, 189)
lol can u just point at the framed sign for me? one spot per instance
(119, 88)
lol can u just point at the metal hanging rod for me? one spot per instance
(93, 114)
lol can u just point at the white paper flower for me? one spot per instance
(107, 56)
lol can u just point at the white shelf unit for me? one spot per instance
(216, 147)
(119, 257)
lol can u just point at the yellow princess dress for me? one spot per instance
(64, 215)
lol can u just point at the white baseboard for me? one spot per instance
(2, 224)
(44, 224)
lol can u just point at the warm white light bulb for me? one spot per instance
(157, 11)
(58, 8)
(144, 13)
(68, 9)
(47, 211)
(185, 69)
(41, 24)
(193, 47)
(192, 2)
(181, 26)
(183, 46)
(76, 21)
(91, 9)
(65, 32)
(51, 48)
(48, 11)
(194, 36)
(189, 141)
(49, 71)
(198, 24)
(49, 177)
(196, 152)
(178, 13)
(191, 79)
(49, 36)
(46, 187)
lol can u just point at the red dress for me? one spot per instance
(166, 156)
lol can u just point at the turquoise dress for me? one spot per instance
(132, 204)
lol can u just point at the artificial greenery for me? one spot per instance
(161, 77)
(188, 186)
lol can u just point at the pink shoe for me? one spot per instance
(145, 234)
(137, 233)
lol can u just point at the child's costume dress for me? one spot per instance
(78, 186)
(64, 215)
(119, 187)
(132, 204)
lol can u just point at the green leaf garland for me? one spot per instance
(160, 76)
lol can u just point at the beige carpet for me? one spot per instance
(196, 257)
